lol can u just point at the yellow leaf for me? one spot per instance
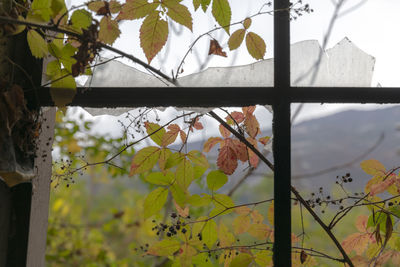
(241, 224)
(225, 237)
(260, 231)
(270, 214)
(236, 39)
(373, 167)
(164, 247)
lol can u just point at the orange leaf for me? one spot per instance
(252, 125)
(170, 136)
(212, 141)
(361, 223)
(216, 49)
(240, 149)
(260, 231)
(357, 242)
(227, 160)
(182, 212)
(197, 125)
(236, 115)
(248, 110)
(182, 134)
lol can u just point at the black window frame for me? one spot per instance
(280, 96)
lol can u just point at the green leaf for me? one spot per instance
(184, 174)
(42, 8)
(81, 19)
(205, 4)
(255, 45)
(109, 30)
(53, 69)
(136, 9)
(37, 44)
(199, 201)
(209, 233)
(236, 39)
(198, 158)
(159, 178)
(178, 194)
(222, 13)
(145, 159)
(174, 160)
(158, 131)
(216, 179)
(198, 171)
(263, 258)
(241, 260)
(179, 13)
(221, 202)
(164, 247)
(64, 53)
(63, 88)
(153, 35)
(196, 4)
(155, 201)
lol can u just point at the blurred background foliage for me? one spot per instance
(96, 217)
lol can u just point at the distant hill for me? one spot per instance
(337, 139)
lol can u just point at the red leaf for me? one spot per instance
(237, 116)
(252, 125)
(197, 125)
(216, 49)
(224, 132)
(170, 136)
(227, 160)
(240, 149)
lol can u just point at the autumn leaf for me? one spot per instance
(183, 212)
(225, 237)
(373, 167)
(216, 49)
(247, 23)
(179, 13)
(361, 223)
(260, 231)
(224, 132)
(145, 159)
(235, 115)
(255, 45)
(171, 135)
(381, 186)
(303, 256)
(241, 150)
(37, 44)
(263, 258)
(227, 160)
(153, 35)
(109, 30)
(210, 143)
(252, 125)
(198, 158)
(222, 13)
(166, 247)
(264, 140)
(155, 201)
(236, 39)
(357, 242)
(241, 224)
(136, 9)
(270, 214)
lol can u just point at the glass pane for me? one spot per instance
(192, 185)
(335, 25)
(344, 159)
(206, 47)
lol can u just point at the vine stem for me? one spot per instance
(293, 189)
(55, 28)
